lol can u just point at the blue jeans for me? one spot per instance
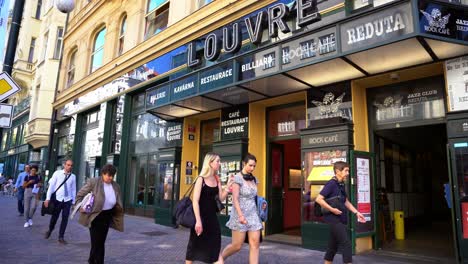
(65, 208)
(20, 197)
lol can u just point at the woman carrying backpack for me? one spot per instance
(244, 216)
(205, 238)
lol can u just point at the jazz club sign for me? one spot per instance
(274, 18)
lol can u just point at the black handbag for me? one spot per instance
(219, 205)
(52, 202)
(183, 212)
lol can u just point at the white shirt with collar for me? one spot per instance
(57, 178)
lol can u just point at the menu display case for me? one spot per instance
(321, 147)
(167, 184)
(231, 153)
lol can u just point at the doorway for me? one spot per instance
(285, 197)
(411, 171)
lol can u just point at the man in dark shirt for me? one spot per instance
(335, 193)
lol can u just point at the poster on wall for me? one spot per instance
(456, 72)
(363, 187)
(328, 102)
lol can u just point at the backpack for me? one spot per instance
(262, 213)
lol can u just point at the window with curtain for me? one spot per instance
(58, 43)
(71, 70)
(44, 50)
(97, 57)
(31, 50)
(157, 17)
(123, 27)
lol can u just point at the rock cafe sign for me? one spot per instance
(273, 18)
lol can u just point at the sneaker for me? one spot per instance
(26, 224)
(47, 234)
(30, 222)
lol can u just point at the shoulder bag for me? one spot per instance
(53, 201)
(183, 212)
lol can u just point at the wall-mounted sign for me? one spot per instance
(275, 18)
(8, 87)
(409, 101)
(235, 122)
(174, 133)
(158, 97)
(457, 83)
(309, 48)
(258, 64)
(216, 77)
(325, 139)
(183, 88)
(443, 20)
(377, 28)
(329, 101)
(6, 114)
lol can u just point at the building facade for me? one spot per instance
(35, 71)
(155, 85)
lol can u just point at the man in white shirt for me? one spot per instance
(65, 196)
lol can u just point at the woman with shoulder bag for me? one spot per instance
(106, 211)
(205, 238)
(244, 219)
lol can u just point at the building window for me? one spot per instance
(157, 17)
(123, 27)
(31, 50)
(38, 10)
(71, 70)
(202, 3)
(58, 43)
(44, 50)
(97, 57)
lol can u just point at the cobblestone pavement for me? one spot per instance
(142, 242)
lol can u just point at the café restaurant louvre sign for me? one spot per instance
(274, 18)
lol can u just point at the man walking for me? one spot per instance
(334, 200)
(65, 196)
(19, 188)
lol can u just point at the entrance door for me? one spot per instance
(275, 223)
(142, 185)
(412, 170)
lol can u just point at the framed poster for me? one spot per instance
(294, 178)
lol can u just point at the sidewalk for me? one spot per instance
(142, 242)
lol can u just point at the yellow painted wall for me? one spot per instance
(257, 143)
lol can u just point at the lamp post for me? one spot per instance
(65, 6)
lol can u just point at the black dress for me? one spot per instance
(207, 246)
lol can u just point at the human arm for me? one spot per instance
(235, 200)
(87, 188)
(321, 200)
(353, 209)
(73, 188)
(19, 181)
(223, 192)
(196, 205)
(51, 189)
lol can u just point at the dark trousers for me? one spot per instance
(63, 207)
(339, 240)
(20, 197)
(98, 232)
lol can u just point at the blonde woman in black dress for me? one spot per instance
(205, 238)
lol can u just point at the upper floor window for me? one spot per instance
(58, 43)
(38, 9)
(31, 50)
(97, 57)
(123, 27)
(157, 17)
(44, 49)
(203, 2)
(71, 70)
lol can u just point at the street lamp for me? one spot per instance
(65, 6)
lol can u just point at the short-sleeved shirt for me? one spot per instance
(331, 189)
(36, 180)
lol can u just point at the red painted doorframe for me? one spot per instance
(292, 197)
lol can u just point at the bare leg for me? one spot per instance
(328, 262)
(220, 259)
(236, 244)
(188, 262)
(254, 246)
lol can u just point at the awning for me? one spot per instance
(380, 41)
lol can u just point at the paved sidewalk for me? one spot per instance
(142, 242)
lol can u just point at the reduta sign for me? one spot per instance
(274, 18)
